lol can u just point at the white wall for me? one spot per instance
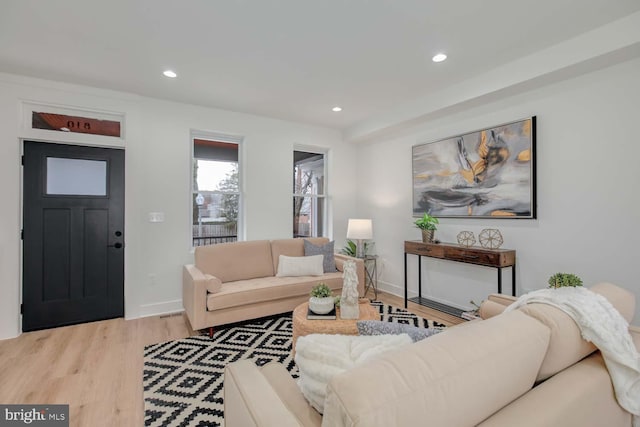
(157, 180)
(588, 155)
(588, 205)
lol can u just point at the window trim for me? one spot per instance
(228, 138)
(325, 195)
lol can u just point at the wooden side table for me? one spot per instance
(371, 274)
(303, 326)
(497, 258)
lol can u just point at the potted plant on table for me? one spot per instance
(428, 225)
(351, 249)
(560, 280)
(321, 301)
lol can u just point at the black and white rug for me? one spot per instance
(183, 379)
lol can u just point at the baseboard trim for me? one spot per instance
(161, 308)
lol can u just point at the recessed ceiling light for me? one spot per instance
(336, 109)
(170, 73)
(439, 57)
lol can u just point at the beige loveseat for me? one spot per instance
(232, 282)
(526, 368)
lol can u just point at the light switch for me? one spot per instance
(156, 216)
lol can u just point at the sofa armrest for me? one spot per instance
(194, 296)
(250, 401)
(494, 305)
(340, 259)
(502, 299)
(489, 308)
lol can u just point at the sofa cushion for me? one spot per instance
(235, 261)
(326, 250)
(295, 266)
(579, 396)
(244, 292)
(428, 380)
(566, 345)
(291, 247)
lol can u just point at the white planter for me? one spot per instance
(321, 305)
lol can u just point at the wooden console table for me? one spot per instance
(497, 258)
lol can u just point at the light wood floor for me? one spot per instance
(96, 367)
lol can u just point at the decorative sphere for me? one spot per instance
(490, 238)
(466, 238)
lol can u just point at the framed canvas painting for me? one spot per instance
(488, 173)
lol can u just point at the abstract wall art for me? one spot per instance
(488, 173)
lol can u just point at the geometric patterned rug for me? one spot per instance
(183, 379)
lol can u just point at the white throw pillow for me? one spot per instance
(300, 266)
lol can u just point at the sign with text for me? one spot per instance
(34, 415)
(74, 124)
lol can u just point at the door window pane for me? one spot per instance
(77, 177)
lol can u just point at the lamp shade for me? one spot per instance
(360, 229)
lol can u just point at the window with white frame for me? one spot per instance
(215, 192)
(309, 193)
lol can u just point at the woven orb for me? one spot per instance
(466, 238)
(490, 238)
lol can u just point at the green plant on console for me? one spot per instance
(427, 222)
(560, 280)
(321, 290)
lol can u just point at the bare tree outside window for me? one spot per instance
(216, 192)
(229, 208)
(308, 194)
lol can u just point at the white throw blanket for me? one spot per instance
(601, 324)
(321, 356)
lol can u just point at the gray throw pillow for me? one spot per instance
(329, 263)
(378, 327)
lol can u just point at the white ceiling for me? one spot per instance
(289, 59)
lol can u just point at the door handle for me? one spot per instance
(117, 245)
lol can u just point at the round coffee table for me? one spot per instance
(303, 326)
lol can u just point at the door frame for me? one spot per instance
(89, 144)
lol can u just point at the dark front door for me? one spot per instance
(73, 251)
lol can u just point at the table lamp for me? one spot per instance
(359, 230)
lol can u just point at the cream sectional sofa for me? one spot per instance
(526, 368)
(232, 282)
